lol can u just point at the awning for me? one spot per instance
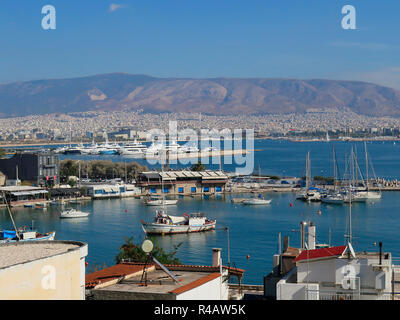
(28, 193)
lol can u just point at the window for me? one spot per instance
(180, 189)
(193, 189)
(206, 189)
(218, 189)
(153, 190)
(166, 190)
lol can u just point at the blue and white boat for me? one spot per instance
(7, 236)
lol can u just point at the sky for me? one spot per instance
(201, 39)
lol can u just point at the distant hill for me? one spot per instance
(220, 96)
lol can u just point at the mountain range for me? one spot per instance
(219, 96)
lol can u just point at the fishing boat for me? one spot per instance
(7, 236)
(29, 205)
(72, 213)
(21, 234)
(188, 223)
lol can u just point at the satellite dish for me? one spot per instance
(147, 246)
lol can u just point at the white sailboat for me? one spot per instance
(370, 195)
(333, 197)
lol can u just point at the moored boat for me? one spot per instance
(188, 223)
(333, 198)
(7, 236)
(256, 201)
(72, 213)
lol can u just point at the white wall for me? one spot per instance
(316, 271)
(296, 291)
(211, 290)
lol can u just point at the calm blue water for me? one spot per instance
(253, 230)
(286, 158)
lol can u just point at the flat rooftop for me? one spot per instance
(158, 282)
(25, 251)
(19, 188)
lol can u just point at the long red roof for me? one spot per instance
(320, 253)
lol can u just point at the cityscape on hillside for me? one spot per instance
(119, 125)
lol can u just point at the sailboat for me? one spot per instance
(370, 195)
(309, 193)
(354, 191)
(334, 197)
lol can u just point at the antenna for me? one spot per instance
(147, 247)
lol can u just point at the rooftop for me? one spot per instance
(19, 188)
(26, 251)
(126, 277)
(320, 253)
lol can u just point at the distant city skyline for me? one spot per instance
(204, 39)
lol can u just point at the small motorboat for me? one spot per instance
(72, 213)
(41, 205)
(156, 201)
(160, 202)
(256, 201)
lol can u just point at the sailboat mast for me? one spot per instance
(308, 172)
(366, 163)
(334, 168)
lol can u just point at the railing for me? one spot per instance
(350, 295)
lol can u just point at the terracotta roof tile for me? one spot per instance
(320, 253)
(112, 273)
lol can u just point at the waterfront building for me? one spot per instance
(20, 195)
(182, 182)
(127, 281)
(100, 191)
(43, 270)
(41, 168)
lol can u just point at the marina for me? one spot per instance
(258, 225)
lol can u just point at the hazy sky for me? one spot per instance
(203, 38)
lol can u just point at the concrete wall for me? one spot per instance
(296, 291)
(316, 271)
(61, 277)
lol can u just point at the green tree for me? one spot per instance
(68, 168)
(133, 252)
(72, 182)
